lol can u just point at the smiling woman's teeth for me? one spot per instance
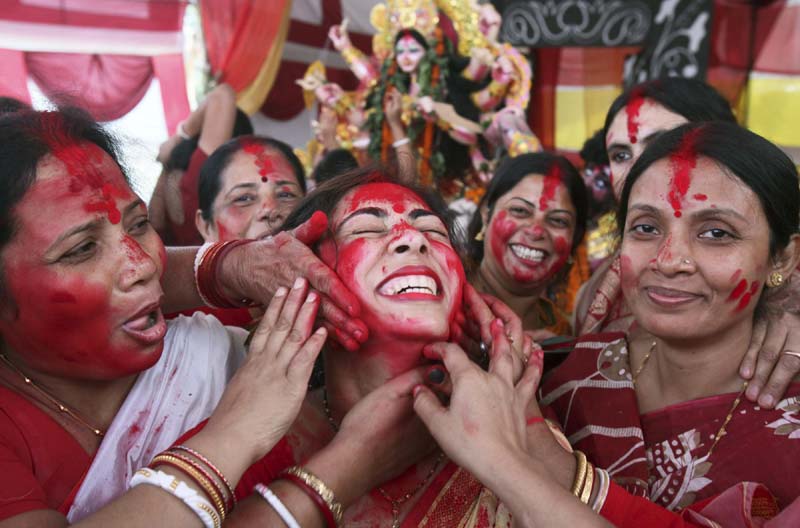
(409, 284)
(527, 253)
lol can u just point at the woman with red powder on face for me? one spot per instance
(529, 221)
(658, 412)
(391, 245)
(634, 119)
(246, 189)
(94, 384)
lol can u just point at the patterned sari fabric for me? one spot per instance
(664, 455)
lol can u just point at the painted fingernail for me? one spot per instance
(312, 296)
(436, 376)
(298, 283)
(280, 292)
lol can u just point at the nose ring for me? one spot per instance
(686, 261)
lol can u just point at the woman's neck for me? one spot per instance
(522, 302)
(349, 376)
(96, 402)
(684, 370)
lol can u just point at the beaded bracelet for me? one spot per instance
(206, 264)
(277, 505)
(320, 493)
(199, 506)
(213, 468)
(197, 477)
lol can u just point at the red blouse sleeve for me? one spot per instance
(629, 511)
(20, 491)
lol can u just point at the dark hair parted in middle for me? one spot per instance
(327, 196)
(510, 172)
(756, 162)
(209, 182)
(690, 98)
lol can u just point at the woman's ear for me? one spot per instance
(206, 228)
(785, 262)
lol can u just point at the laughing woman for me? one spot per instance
(528, 223)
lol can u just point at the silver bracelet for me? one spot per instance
(280, 508)
(401, 142)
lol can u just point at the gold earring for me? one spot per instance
(775, 279)
(481, 233)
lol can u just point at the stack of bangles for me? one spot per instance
(590, 481)
(206, 267)
(202, 473)
(314, 488)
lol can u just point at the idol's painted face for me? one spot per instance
(82, 272)
(259, 189)
(329, 93)
(529, 235)
(408, 53)
(631, 131)
(693, 262)
(395, 255)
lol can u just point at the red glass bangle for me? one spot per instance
(213, 468)
(330, 520)
(207, 275)
(211, 480)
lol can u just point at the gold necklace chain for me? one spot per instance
(395, 502)
(58, 405)
(722, 430)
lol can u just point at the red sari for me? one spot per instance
(663, 455)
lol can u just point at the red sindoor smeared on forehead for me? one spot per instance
(83, 163)
(682, 162)
(633, 108)
(393, 193)
(551, 182)
(263, 159)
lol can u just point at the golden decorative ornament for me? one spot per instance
(775, 279)
(481, 234)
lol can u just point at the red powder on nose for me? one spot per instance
(665, 251)
(682, 163)
(700, 197)
(633, 108)
(551, 182)
(133, 250)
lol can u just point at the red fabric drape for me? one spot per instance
(14, 75)
(109, 86)
(235, 33)
(171, 77)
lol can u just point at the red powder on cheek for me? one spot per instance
(747, 297)
(700, 197)
(735, 276)
(633, 108)
(682, 163)
(738, 290)
(551, 182)
(627, 275)
(501, 228)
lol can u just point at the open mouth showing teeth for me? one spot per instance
(527, 253)
(410, 284)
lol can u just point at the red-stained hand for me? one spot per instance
(256, 270)
(486, 417)
(264, 396)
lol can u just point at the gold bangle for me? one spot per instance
(580, 473)
(201, 481)
(321, 488)
(586, 493)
